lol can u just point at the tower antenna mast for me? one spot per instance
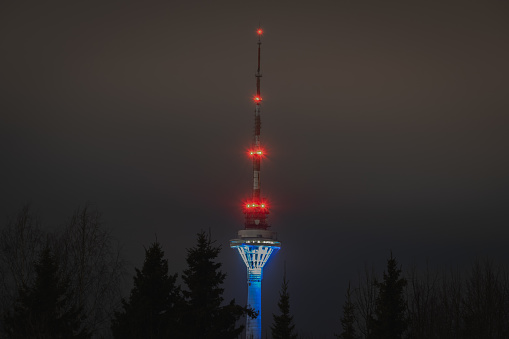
(257, 210)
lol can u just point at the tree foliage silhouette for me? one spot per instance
(348, 319)
(152, 309)
(390, 321)
(283, 326)
(87, 257)
(204, 315)
(21, 242)
(95, 268)
(44, 309)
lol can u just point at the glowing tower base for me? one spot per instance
(255, 247)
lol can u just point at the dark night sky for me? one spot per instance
(386, 125)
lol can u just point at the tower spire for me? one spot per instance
(256, 210)
(258, 74)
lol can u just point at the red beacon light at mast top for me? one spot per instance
(259, 31)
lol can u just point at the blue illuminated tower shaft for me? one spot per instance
(254, 300)
(255, 248)
(255, 242)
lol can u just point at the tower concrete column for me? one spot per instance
(254, 300)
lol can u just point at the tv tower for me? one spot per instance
(255, 242)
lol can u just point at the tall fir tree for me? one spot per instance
(390, 321)
(153, 307)
(348, 319)
(204, 315)
(283, 326)
(44, 310)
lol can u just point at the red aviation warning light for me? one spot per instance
(258, 152)
(259, 31)
(257, 98)
(259, 205)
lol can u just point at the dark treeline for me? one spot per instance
(158, 308)
(419, 304)
(58, 284)
(67, 283)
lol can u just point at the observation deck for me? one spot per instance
(255, 247)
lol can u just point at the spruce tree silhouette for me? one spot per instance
(204, 315)
(390, 321)
(283, 326)
(152, 309)
(348, 318)
(43, 310)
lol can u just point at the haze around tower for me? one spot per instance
(385, 126)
